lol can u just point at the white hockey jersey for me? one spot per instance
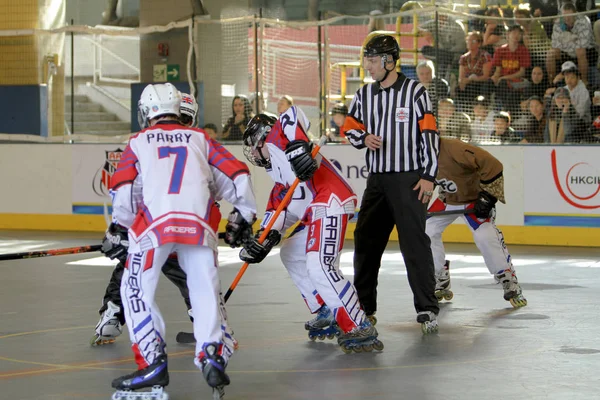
(166, 184)
(326, 193)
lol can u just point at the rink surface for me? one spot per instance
(484, 350)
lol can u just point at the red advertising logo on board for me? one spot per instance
(579, 186)
(101, 182)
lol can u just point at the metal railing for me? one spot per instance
(98, 56)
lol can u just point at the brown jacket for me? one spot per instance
(465, 170)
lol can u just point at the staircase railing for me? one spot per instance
(98, 55)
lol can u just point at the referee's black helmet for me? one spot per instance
(381, 45)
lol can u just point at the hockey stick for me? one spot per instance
(47, 253)
(265, 232)
(451, 212)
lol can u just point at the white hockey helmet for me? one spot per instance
(189, 109)
(158, 100)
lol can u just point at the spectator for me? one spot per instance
(564, 123)
(482, 124)
(375, 22)
(452, 123)
(544, 8)
(494, 34)
(450, 43)
(537, 121)
(436, 87)
(534, 37)
(538, 84)
(241, 115)
(510, 62)
(338, 115)
(580, 96)
(503, 133)
(284, 103)
(473, 72)
(260, 102)
(572, 40)
(211, 130)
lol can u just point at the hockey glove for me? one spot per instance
(299, 155)
(237, 230)
(115, 243)
(254, 252)
(484, 205)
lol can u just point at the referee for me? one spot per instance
(396, 125)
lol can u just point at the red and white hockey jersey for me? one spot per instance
(166, 184)
(326, 193)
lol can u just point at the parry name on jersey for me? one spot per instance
(168, 137)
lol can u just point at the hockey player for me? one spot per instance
(189, 110)
(164, 192)
(323, 203)
(111, 322)
(470, 179)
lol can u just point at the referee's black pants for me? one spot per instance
(388, 200)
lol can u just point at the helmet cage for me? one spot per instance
(254, 141)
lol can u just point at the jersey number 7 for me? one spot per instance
(181, 154)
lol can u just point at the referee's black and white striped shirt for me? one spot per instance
(402, 116)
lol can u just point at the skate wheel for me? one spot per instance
(346, 349)
(372, 319)
(218, 393)
(321, 337)
(331, 336)
(439, 296)
(427, 328)
(357, 349)
(312, 338)
(378, 345)
(367, 348)
(448, 296)
(517, 303)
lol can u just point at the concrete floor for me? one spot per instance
(484, 350)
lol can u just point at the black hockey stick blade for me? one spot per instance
(450, 212)
(185, 338)
(48, 253)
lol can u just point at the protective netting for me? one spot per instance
(495, 75)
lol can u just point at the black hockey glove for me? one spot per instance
(115, 243)
(237, 230)
(299, 155)
(254, 252)
(484, 205)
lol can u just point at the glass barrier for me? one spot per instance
(495, 75)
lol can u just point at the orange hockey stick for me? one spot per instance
(265, 232)
(47, 253)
